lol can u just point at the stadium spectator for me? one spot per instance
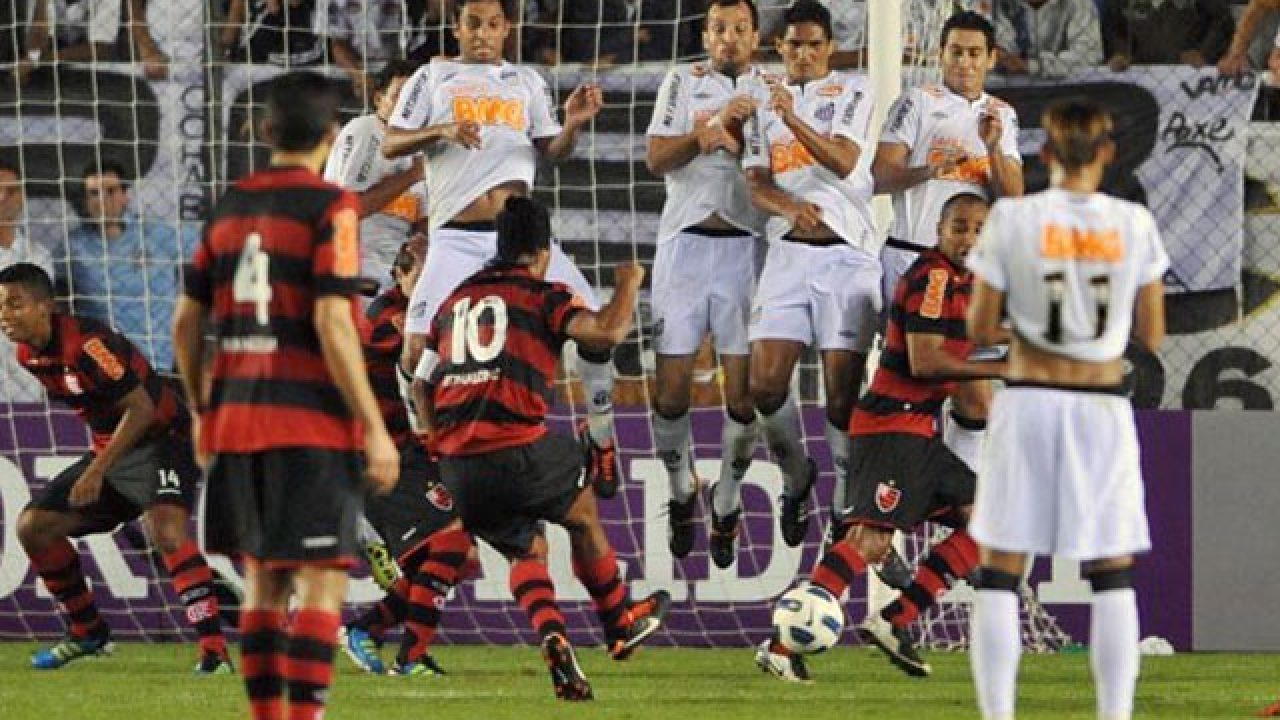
(1244, 53)
(622, 31)
(1048, 38)
(15, 245)
(91, 31)
(272, 32)
(124, 269)
(1168, 32)
(363, 35)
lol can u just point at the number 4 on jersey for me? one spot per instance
(252, 281)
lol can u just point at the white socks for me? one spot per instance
(994, 650)
(839, 441)
(737, 444)
(597, 381)
(671, 439)
(1113, 651)
(782, 433)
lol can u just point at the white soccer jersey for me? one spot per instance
(511, 103)
(707, 184)
(929, 120)
(836, 105)
(1070, 266)
(357, 164)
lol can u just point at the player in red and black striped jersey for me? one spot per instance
(417, 519)
(140, 464)
(482, 389)
(276, 275)
(901, 472)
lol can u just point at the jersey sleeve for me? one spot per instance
(1009, 134)
(335, 265)
(350, 157)
(104, 358)
(853, 114)
(986, 259)
(413, 107)
(926, 302)
(1156, 262)
(560, 305)
(196, 283)
(542, 110)
(670, 111)
(902, 125)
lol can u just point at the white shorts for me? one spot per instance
(377, 254)
(894, 263)
(825, 296)
(702, 284)
(454, 255)
(1062, 476)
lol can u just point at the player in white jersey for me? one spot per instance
(392, 192)
(821, 280)
(1078, 274)
(704, 269)
(939, 141)
(482, 123)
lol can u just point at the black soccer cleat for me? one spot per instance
(681, 525)
(566, 676)
(723, 541)
(896, 643)
(604, 473)
(794, 518)
(642, 619)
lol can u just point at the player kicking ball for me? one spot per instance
(141, 464)
(482, 389)
(902, 474)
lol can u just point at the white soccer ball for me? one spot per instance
(808, 619)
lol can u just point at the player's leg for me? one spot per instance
(382, 564)
(966, 425)
(842, 373)
(995, 643)
(264, 638)
(771, 365)
(313, 634)
(532, 588)
(1113, 635)
(433, 578)
(192, 580)
(671, 438)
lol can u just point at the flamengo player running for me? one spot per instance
(141, 464)
(821, 284)
(704, 270)
(1075, 271)
(482, 122)
(417, 518)
(901, 473)
(483, 388)
(392, 194)
(280, 409)
(939, 141)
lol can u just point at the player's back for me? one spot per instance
(1070, 265)
(498, 339)
(277, 241)
(382, 339)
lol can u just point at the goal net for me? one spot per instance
(181, 125)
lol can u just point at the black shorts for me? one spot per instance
(900, 480)
(285, 507)
(159, 471)
(418, 506)
(503, 496)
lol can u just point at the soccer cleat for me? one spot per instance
(722, 543)
(426, 665)
(894, 570)
(361, 648)
(641, 620)
(382, 566)
(1272, 710)
(212, 663)
(680, 525)
(773, 658)
(896, 644)
(601, 463)
(794, 518)
(70, 648)
(566, 675)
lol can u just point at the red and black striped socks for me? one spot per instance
(308, 666)
(837, 569)
(262, 662)
(446, 554)
(608, 593)
(532, 588)
(58, 565)
(193, 580)
(948, 561)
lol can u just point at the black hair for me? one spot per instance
(104, 167)
(12, 164)
(31, 277)
(398, 68)
(404, 261)
(1076, 129)
(969, 20)
(458, 5)
(301, 107)
(524, 228)
(809, 11)
(751, 5)
(964, 196)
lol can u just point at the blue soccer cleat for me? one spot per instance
(54, 657)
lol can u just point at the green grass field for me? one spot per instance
(151, 682)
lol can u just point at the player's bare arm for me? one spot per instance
(137, 414)
(611, 324)
(582, 105)
(1006, 172)
(1236, 59)
(389, 188)
(719, 132)
(891, 173)
(188, 352)
(929, 359)
(805, 217)
(837, 154)
(340, 345)
(986, 305)
(1148, 316)
(401, 142)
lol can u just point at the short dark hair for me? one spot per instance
(751, 5)
(524, 228)
(31, 277)
(969, 20)
(809, 11)
(302, 107)
(1076, 129)
(459, 4)
(104, 167)
(394, 69)
(12, 164)
(404, 261)
(964, 196)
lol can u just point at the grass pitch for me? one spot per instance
(152, 682)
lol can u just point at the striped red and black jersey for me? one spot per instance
(277, 241)
(498, 339)
(382, 336)
(90, 368)
(931, 298)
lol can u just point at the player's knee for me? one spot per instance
(839, 412)
(669, 406)
(1110, 578)
(990, 578)
(767, 396)
(741, 410)
(871, 543)
(595, 356)
(167, 537)
(32, 533)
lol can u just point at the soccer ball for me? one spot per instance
(808, 619)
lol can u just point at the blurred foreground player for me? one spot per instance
(281, 408)
(141, 464)
(482, 389)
